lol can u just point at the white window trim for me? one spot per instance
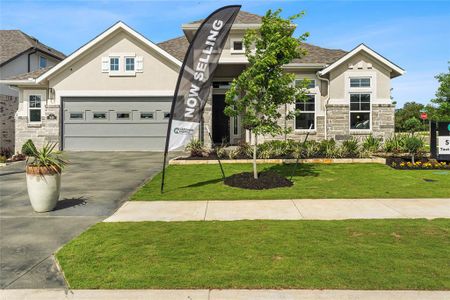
(232, 40)
(118, 63)
(311, 90)
(360, 77)
(350, 111)
(122, 64)
(125, 64)
(29, 108)
(372, 90)
(46, 61)
(313, 130)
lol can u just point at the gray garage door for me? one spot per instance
(119, 124)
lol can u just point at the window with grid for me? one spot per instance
(359, 82)
(360, 110)
(129, 64)
(34, 108)
(114, 64)
(311, 83)
(307, 115)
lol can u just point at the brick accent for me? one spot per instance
(47, 131)
(8, 108)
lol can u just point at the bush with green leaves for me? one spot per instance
(311, 149)
(395, 144)
(196, 148)
(414, 145)
(371, 144)
(350, 148)
(244, 150)
(28, 148)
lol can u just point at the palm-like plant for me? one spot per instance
(44, 159)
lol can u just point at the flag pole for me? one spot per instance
(234, 9)
(215, 149)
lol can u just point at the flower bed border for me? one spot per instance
(180, 161)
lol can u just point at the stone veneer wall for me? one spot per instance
(8, 108)
(46, 131)
(338, 122)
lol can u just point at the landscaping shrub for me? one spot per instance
(196, 148)
(414, 145)
(27, 148)
(350, 148)
(2, 159)
(371, 144)
(311, 149)
(244, 150)
(221, 152)
(6, 152)
(395, 144)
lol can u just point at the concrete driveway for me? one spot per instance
(93, 187)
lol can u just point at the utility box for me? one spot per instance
(440, 140)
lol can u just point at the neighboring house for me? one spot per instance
(115, 92)
(19, 54)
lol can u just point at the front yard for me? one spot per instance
(354, 254)
(204, 182)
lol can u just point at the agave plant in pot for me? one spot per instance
(43, 171)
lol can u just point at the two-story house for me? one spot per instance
(115, 92)
(19, 54)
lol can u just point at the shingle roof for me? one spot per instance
(243, 17)
(34, 74)
(15, 42)
(177, 47)
(316, 54)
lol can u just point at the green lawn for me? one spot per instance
(354, 254)
(203, 182)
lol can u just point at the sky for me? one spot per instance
(413, 34)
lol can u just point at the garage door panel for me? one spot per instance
(115, 144)
(143, 127)
(111, 130)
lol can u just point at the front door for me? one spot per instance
(220, 122)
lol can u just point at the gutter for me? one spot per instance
(326, 102)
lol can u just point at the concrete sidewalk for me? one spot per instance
(221, 294)
(304, 209)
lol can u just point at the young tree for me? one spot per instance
(264, 87)
(441, 109)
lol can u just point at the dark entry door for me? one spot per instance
(220, 122)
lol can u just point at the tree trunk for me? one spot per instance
(255, 172)
(412, 158)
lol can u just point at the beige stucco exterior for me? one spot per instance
(83, 76)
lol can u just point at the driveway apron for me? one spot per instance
(93, 186)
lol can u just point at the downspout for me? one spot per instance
(29, 59)
(326, 102)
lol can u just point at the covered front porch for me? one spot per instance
(224, 130)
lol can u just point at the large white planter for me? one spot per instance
(43, 190)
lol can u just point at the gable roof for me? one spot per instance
(15, 42)
(178, 46)
(118, 26)
(243, 17)
(396, 70)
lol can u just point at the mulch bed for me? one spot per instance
(266, 180)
